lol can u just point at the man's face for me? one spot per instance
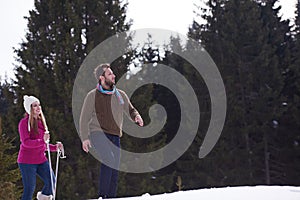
(109, 77)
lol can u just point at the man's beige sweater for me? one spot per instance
(103, 112)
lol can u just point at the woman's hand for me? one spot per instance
(46, 137)
(60, 146)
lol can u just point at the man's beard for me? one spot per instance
(109, 83)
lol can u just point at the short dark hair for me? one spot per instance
(100, 70)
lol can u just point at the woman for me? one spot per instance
(32, 160)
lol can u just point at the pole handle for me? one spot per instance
(61, 152)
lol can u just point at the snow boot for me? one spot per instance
(41, 196)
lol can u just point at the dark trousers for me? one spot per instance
(107, 148)
(29, 172)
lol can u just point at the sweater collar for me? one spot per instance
(111, 92)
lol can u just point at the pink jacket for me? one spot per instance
(33, 147)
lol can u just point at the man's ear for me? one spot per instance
(101, 78)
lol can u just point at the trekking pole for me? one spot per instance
(60, 154)
(49, 160)
(48, 150)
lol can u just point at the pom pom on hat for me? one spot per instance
(28, 100)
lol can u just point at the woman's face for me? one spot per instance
(36, 109)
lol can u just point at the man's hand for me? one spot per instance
(138, 119)
(86, 144)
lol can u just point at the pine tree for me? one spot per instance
(289, 122)
(187, 166)
(143, 99)
(246, 40)
(9, 170)
(60, 35)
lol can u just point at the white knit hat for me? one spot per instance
(28, 100)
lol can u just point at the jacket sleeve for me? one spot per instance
(53, 147)
(130, 110)
(85, 115)
(25, 139)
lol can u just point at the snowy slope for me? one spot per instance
(228, 193)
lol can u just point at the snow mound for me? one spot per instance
(228, 193)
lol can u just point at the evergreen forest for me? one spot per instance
(258, 57)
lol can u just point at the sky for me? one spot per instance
(144, 13)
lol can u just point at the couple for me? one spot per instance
(101, 116)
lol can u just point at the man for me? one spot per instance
(100, 125)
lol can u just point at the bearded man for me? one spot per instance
(100, 126)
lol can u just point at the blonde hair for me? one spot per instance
(33, 123)
(44, 122)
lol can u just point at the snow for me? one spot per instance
(228, 193)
